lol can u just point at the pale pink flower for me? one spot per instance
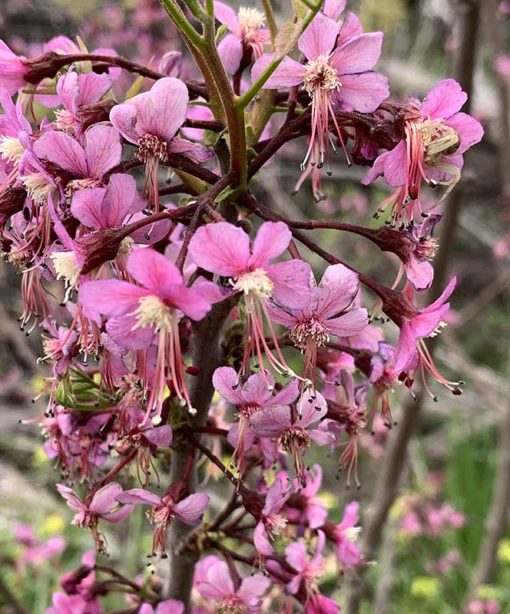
(13, 69)
(344, 536)
(271, 523)
(169, 606)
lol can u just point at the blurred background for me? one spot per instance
(435, 491)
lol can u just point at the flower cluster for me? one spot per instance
(163, 302)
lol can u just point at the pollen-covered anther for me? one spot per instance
(246, 411)
(294, 438)
(150, 147)
(310, 331)
(152, 312)
(37, 187)
(438, 139)
(439, 328)
(427, 248)
(66, 267)
(65, 121)
(319, 74)
(255, 283)
(20, 259)
(231, 605)
(11, 149)
(126, 245)
(250, 19)
(275, 524)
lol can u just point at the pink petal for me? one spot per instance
(271, 241)
(71, 497)
(191, 301)
(191, 509)
(221, 248)
(170, 606)
(351, 515)
(103, 149)
(152, 270)
(169, 98)
(288, 73)
(231, 51)
(219, 583)
(468, 128)
(125, 332)
(160, 436)
(351, 27)
(105, 498)
(87, 207)
(226, 382)
(319, 38)
(139, 496)
(270, 422)
(443, 100)
(316, 515)
(312, 407)
(420, 274)
(195, 151)
(92, 87)
(405, 351)
(358, 54)
(296, 555)
(68, 90)
(119, 515)
(62, 150)
(291, 279)
(288, 394)
(349, 554)
(260, 540)
(364, 92)
(349, 324)
(120, 196)
(226, 15)
(283, 315)
(337, 290)
(444, 296)
(110, 297)
(123, 118)
(253, 587)
(333, 8)
(255, 391)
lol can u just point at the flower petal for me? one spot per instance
(104, 500)
(221, 248)
(319, 38)
(358, 54)
(191, 509)
(290, 279)
(103, 149)
(337, 290)
(62, 150)
(288, 73)
(363, 92)
(271, 241)
(230, 51)
(226, 382)
(169, 98)
(152, 270)
(87, 207)
(349, 324)
(445, 99)
(139, 496)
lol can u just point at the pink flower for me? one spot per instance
(325, 310)
(250, 397)
(169, 606)
(271, 523)
(218, 585)
(73, 604)
(136, 314)
(344, 535)
(189, 510)
(88, 162)
(224, 249)
(295, 433)
(13, 69)
(245, 32)
(103, 504)
(437, 136)
(411, 350)
(151, 121)
(502, 66)
(310, 509)
(332, 75)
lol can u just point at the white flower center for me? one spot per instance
(152, 311)
(126, 245)
(66, 267)
(319, 74)
(352, 534)
(11, 149)
(250, 19)
(65, 120)
(255, 283)
(37, 187)
(312, 330)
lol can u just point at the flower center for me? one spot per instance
(426, 248)
(250, 19)
(126, 245)
(312, 331)
(160, 515)
(438, 140)
(255, 283)
(246, 411)
(11, 149)
(231, 605)
(151, 146)
(275, 524)
(153, 312)
(319, 74)
(36, 186)
(65, 120)
(293, 439)
(66, 267)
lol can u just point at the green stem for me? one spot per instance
(183, 25)
(271, 22)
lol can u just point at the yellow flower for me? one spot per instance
(425, 587)
(53, 524)
(504, 551)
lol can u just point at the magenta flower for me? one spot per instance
(218, 585)
(151, 121)
(189, 510)
(310, 509)
(344, 536)
(326, 309)
(87, 163)
(332, 75)
(295, 433)
(271, 523)
(13, 69)
(437, 136)
(251, 397)
(224, 249)
(246, 31)
(169, 606)
(421, 249)
(103, 504)
(75, 90)
(136, 314)
(73, 604)
(411, 350)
